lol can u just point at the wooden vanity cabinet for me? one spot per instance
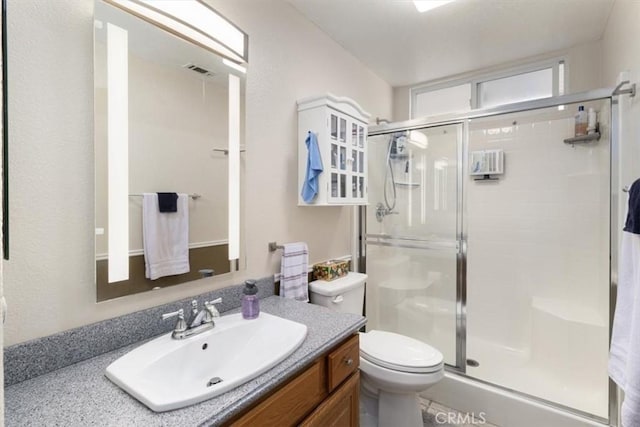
(326, 393)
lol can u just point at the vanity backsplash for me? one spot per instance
(39, 356)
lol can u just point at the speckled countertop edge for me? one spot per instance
(80, 394)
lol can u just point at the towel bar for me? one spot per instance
(225, 151)
(273, 246)
(194, 196)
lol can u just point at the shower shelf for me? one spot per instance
(583, 139)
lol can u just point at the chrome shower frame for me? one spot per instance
(461, 229)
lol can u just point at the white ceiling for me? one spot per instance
(403, 46)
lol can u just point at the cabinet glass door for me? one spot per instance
(347, 151)
(354, 134)
(334, 126)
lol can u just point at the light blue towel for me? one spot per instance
(314, 168)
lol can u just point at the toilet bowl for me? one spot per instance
(393, 368)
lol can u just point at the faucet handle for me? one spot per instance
(179, 313)
(211, 309)
(194, 307)
(181, 325)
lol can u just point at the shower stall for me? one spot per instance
(492, 237)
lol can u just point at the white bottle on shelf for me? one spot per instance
(592, 121)
(581, 121)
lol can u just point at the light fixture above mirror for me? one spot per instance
(194, 21)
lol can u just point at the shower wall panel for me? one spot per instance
(538, 259)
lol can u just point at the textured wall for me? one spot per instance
(621, 44)
(50, 277)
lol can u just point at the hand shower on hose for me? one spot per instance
(396, 150)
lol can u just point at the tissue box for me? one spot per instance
(330, 270)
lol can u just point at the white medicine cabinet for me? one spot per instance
(340, 125)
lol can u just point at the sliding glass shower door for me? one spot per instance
(537, 309)
(490, 240)
(412, 236)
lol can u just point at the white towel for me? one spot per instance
(624, 358)
(166, 237)
(294, 281)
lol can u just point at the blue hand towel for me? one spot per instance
(314, 169)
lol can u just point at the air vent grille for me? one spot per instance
(199, 70)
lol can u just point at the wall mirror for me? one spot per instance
(168, 118)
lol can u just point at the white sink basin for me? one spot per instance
(167, 374)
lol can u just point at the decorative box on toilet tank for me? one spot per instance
(340, 125)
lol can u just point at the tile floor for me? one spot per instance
(436, 415)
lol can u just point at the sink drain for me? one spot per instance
(214, 381)
(473, 363)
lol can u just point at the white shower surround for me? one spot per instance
(537, 272)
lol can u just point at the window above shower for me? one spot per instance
(525, 83)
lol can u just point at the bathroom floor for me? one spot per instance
(437, 415)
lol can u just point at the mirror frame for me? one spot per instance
(5, 139)
(236, 72)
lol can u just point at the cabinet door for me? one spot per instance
(287, 406)
(341, 409)
(347, 179)
(358, 164)
(339, 174)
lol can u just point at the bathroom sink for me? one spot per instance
(167, 374)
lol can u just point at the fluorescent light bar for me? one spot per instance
(118, 152)
(234, 167)
(425, 5)
(192, 20)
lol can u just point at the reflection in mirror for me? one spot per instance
(162, 117)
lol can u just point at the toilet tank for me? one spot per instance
(345, 294)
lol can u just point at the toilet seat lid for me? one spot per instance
(399, 352)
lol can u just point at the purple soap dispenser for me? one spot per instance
(250, 301)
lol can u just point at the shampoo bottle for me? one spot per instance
(250, 301)
(592, 121)
(581, 121)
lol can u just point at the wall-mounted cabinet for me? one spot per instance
(340, 125)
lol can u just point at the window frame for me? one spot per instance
(475, 79)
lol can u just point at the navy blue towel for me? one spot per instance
(632, 225)
(168, 202)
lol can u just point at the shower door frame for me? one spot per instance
(612, 95)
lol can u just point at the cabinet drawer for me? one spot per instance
(341, 409)
(289, 405)
(343, 362)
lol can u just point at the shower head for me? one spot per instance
(400, 142)
(398, 150)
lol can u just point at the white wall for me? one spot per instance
(621, 44)
(584, 69)
(50, 277)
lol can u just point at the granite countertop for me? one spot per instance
(80, 394)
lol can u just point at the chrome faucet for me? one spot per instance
(382, 211)
(200, 320)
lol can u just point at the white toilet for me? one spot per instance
(394, 368)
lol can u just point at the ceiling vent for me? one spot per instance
(199, 70)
